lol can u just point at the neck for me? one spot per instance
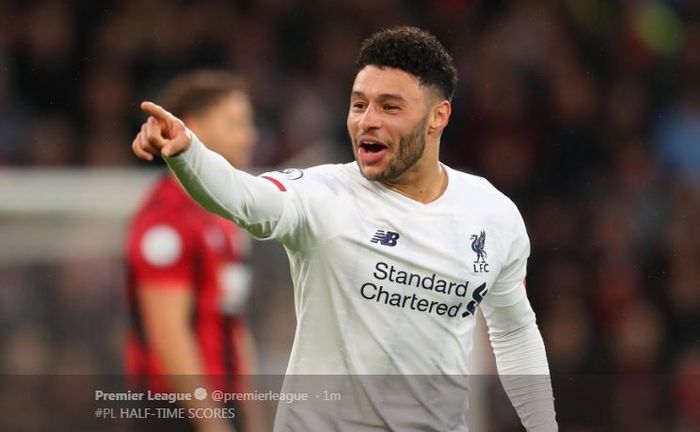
(424, 183)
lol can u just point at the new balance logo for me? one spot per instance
(385, 238)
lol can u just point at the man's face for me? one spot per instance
(227, 128)
(387, 122)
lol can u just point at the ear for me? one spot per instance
(439, 116)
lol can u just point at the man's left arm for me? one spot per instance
(516, 340)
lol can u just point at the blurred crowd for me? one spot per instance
(585, 112)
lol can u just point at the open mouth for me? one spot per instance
(372, 147)
(371, 152)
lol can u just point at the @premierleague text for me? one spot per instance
(201, 394)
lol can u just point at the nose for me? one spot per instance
(370, 118)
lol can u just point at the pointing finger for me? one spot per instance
(158, 112)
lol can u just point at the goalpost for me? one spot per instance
(58, 214)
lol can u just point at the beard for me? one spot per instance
(411, 147)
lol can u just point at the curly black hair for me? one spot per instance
(412, 50)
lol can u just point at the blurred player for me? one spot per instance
(188, 280)
(391, 255)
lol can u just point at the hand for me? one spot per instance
(163, 134)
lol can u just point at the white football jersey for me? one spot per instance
(385, 285)
(385, 290)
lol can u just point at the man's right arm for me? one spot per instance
(254, 203)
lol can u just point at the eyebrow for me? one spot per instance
(356, 93)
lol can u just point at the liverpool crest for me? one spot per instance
(479, 248)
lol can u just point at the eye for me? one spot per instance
(391, 108)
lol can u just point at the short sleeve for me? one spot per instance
(162, 251)
(509, 287)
